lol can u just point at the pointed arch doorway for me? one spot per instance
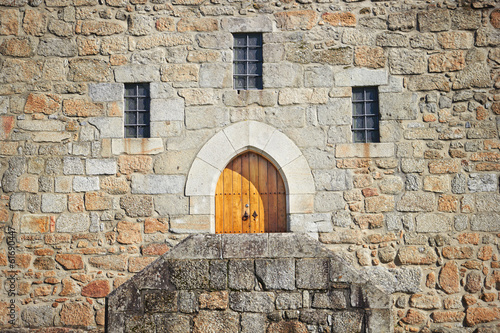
(250, 197)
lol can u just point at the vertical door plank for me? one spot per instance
(263, 189)
(254, 193)
(273, 197)
(228, 191)
(245, 192)
(219, 204)
(237, 202)
(281, 227)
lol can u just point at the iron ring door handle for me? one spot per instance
(245, 216)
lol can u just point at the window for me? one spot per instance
(137, 110)
(365, 114)
(247, 50)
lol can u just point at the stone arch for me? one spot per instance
(263, 139)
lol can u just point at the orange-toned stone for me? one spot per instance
(118, 60)
(447, 316)
(430, 282)
(488, 167)
(216, 300)
(197, 24)
(34, 22)
(118, 281)
(468, 238)
(354, 163)
(481, 113)
(9, 21)
(296, 20)
(35, 224)
(165, 24)
(485, 253)
(447, 61)
(476, 316)
(444, 166)
(495, 107)
(128, 232)
(447, 203)
(489, 297)
(75, 202)
(96, 289)
(8, 148)
(414, 317)
(87, 46)
(369, 56)
(381, 238)
(28, 183)
(43, 291)
(17, 47)
(114, 185)
(449, 278)
(369, 192)
(82, 108)
(486, 156)
(115, 110)
(100, 317)
(458, 252)
(473, 264)
(44, 252)
(495, 18)
(43, 103)
(98, 201)
(428, 118)
(6, 126)
(152, 225)
(137, 264)
(70, 261)
(155, 249)
(340, 19)
(366, 221)
(23, 260)
(469, 300)
(77, 314)
(135, 163)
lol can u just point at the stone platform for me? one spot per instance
(249, 283)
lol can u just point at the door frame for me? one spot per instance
(233, 140)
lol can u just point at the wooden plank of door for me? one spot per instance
(254, 193)
(273, 197)
(219, 204)
(228, 191)
(263, 189)
(237, 202)
(281, 205)
(245, 190)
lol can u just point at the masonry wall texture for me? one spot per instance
(419, 211)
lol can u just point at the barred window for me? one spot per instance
(247, 61)
(137, 110)
(365, 114)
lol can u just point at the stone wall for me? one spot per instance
(419, 211)
(249, 283)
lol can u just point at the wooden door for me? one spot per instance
(250, 197)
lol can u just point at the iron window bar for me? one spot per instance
(137, 115)
(365, 114)
(247, 61)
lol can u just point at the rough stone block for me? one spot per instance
(244, 246)
(157, 184)
(312, 273)
(137, 73)
(328, 201)
(416, 202)
(106, 92)
(276, 273)
(85, 184)
(78, 222)
(168, 205)
(252, 301)
(136, 205)
(73, 166)
(216, 321)
(334, 299)
(247, 24)
(189, 274)
(109, 127)
(355, 77)
(160, 301)
(485, 222)
(167, 109)
(483, 182)
(216, 75)
(101, 166)
(430, 222)
(434, 20)
(241, 274)
(53, 203)
(398, 106)
(365, 150)
(281, 75)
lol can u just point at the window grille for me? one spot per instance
(247, 61)
(365, 114)
(137, 110)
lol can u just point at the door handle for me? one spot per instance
(245, 216)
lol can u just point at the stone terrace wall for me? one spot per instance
(251, 283)
(420, 210)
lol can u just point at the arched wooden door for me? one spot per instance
(250, 197)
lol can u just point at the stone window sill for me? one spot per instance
(367, 150)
